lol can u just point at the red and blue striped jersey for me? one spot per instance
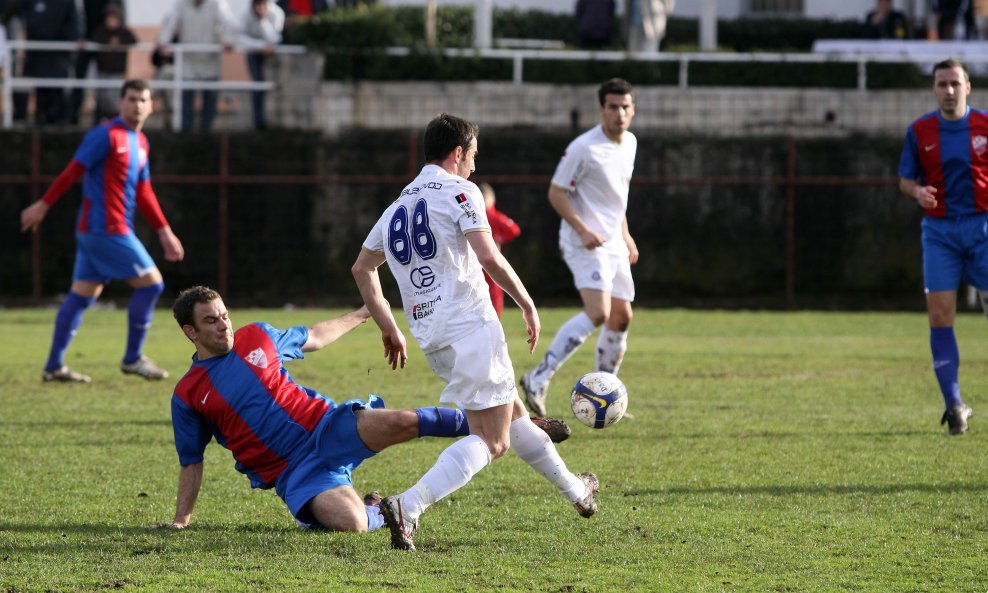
(249, 402)
(951, 156)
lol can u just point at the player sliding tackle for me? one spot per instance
(437, 241)
(282, 435)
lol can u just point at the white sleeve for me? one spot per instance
(468, 209)
(571, 166)
(375, 239)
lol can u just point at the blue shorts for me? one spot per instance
(335, 450)
(101, 258)
(955, 250)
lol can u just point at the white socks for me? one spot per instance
(534, 448)
(569, 337)
(453, 469)
(611, 346)
(374, 518)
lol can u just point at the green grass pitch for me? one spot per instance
(771, 452)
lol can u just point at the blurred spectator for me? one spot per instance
(111, 64)
(647, 23)
(594, 21)
(164, 71)
(296, 10)
(503, 230)
(261, 31)
(885, 22)
(981, 18)
(3, 48)
(955, 19)
(48, 20)
(93, 11)
(198, 21)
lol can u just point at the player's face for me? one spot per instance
(213, 331)
(466, 165)
(951, 87)
(135, 107)
(616, 114)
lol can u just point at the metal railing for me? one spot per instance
(12, 82)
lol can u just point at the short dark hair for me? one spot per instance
(185, 305)
(444, 133)
(614, 86)
(134, 84)
(951, 63)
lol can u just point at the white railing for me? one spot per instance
(12, 82)
(859, 52)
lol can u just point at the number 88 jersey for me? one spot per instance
(422, 235)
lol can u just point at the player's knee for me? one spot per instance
(597, 317)
(344, 519)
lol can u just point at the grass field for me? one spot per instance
(770, 452)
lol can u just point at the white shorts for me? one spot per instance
(598, 269)
(476, 369)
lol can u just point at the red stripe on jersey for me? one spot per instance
(927, 131)
(978, 123)
(87, 205)
(304, 410)
(199, 393)
(115, 169)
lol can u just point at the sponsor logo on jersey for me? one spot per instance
(411, 191)
(257, 358)
(979, 144)
(422, 277)
(461, 198)
(423, 310)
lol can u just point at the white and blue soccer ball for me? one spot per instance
(599, 399)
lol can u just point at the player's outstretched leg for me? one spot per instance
(534, 448)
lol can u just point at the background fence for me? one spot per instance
(279, 217)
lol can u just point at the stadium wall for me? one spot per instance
(756, 222)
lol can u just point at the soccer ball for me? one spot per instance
(599, 399)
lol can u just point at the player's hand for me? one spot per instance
(32, 216)
(534, 328)
(925, 196)
(590, 239)
(632, 249)
(394, 349)
(170, 243)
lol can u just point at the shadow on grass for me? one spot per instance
(815, 489)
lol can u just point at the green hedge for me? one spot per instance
(353, 38)
(380, 26)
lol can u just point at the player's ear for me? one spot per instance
(190, 332)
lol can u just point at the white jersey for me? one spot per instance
(597, 171)
(423, 237)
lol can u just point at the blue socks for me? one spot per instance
(66, 323)
(442, 422)
(139, 313)
(946, 360)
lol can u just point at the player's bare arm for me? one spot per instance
(326, 332)
(189, 482)
(629, 241)
(501, 272)
(925, 195)
(32, 216)
(174, 251)
(364, 272)
(561, 201)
